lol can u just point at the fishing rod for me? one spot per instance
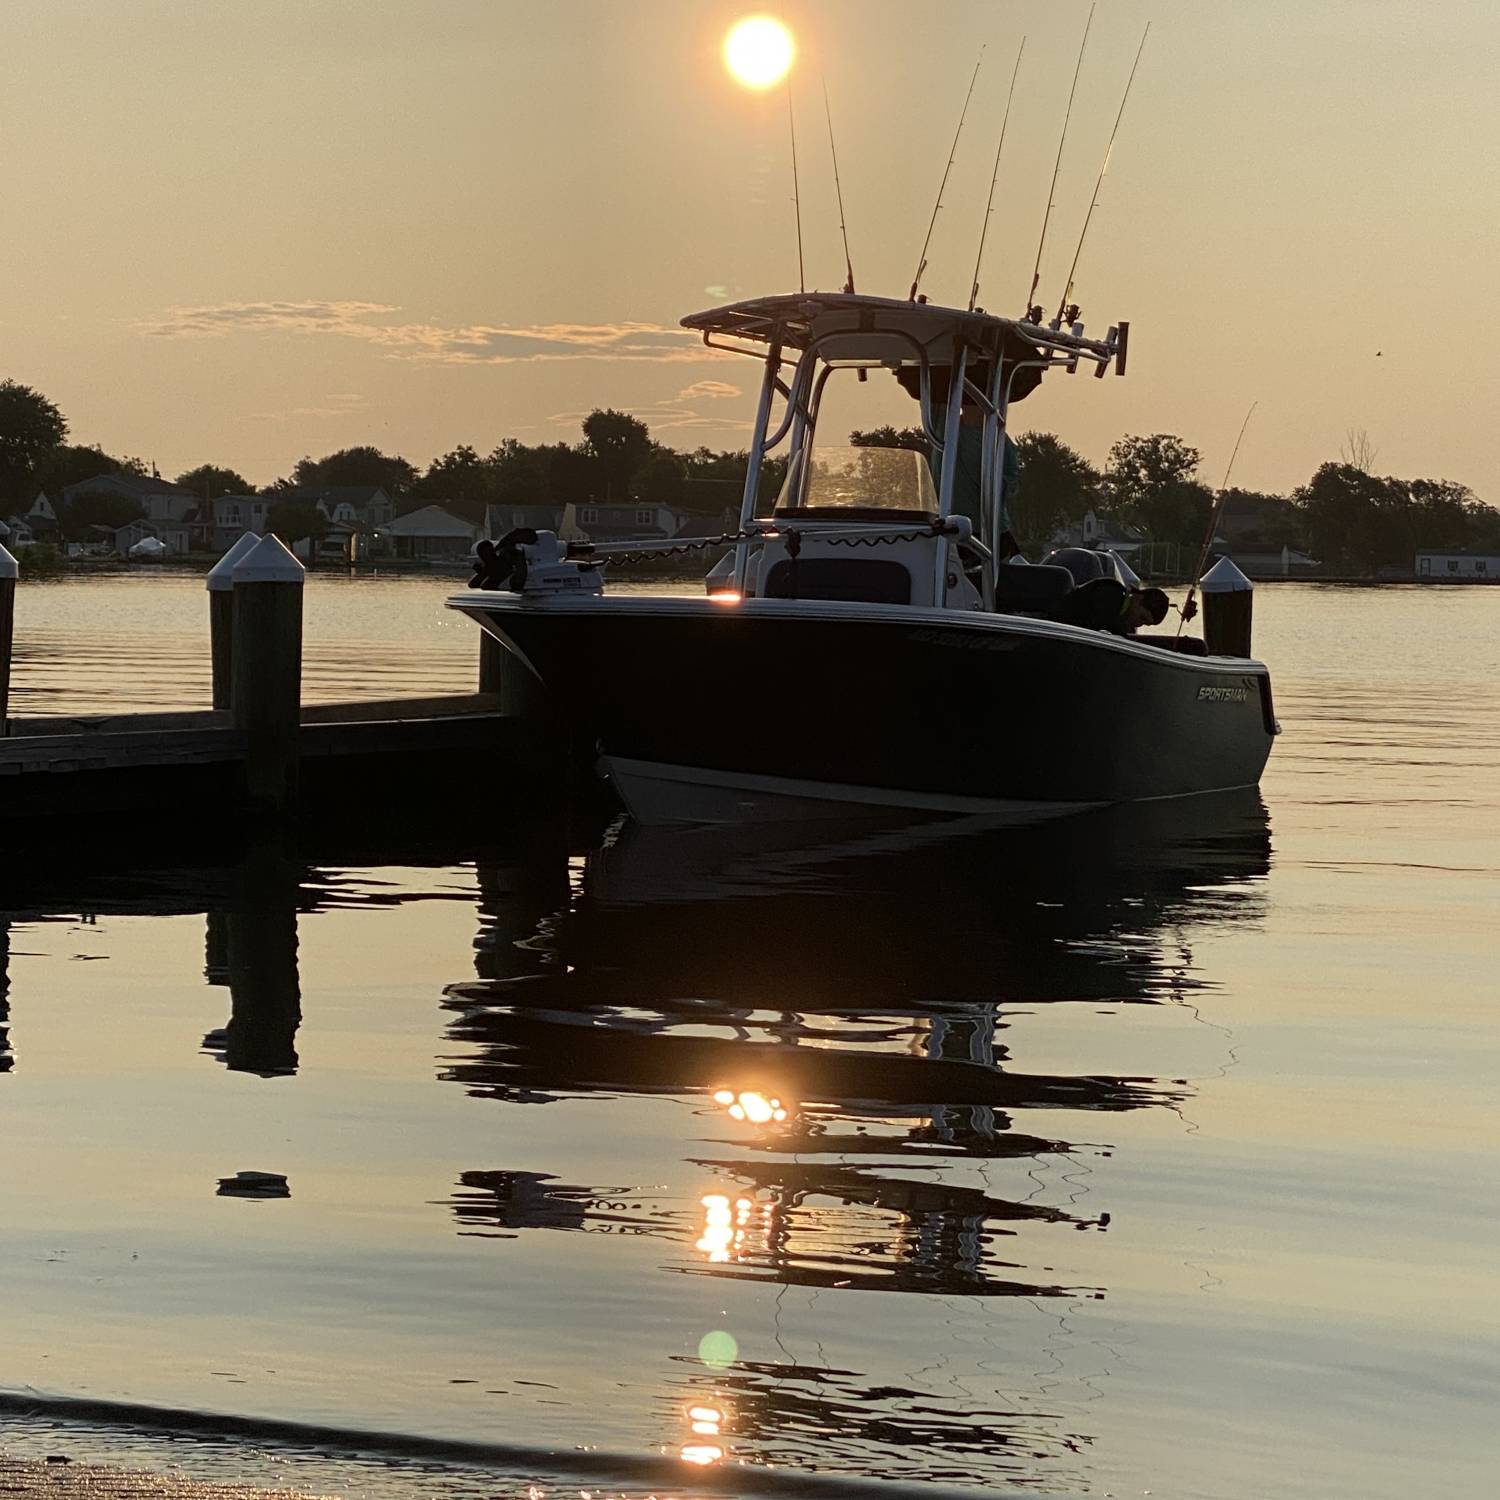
(791, 121)
(1067, 295)
(838, 187)
(1189, 609)
(916, 280)
(989, 203)
(1034, 314)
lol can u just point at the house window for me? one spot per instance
(1425, 565)
(645, 517)
(1453, 565)
(588, 516)
(1481, 566)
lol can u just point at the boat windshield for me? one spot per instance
(858, 478)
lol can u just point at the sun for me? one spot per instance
(758, 51)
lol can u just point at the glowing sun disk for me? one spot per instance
(758, 52)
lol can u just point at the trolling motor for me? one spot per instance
(524, 561)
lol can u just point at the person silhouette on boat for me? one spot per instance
(1108, 604)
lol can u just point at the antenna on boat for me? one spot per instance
(1067, 295)
(989, 203)
(916, 280)
(791, 121)
(1188, 607)
(1034, 314)
(838, 188)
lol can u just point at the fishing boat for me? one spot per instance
(871, 646)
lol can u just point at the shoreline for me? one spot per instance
(401, 567)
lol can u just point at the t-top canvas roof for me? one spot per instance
(881, 329)
(848, 327)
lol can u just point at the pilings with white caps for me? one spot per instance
(220, 586)
(10, 571)
(266, 687)
(1228, 607)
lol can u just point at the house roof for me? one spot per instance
(335, 494)
(705, 525)
(538, 517)
(432, 520)
(140, 484)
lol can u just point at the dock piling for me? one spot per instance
(220, 586)
(1228, 608)
(266, 669)
(10, 571)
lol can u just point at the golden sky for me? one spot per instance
(242, 233)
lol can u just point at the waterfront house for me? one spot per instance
(634, 521)
(1270, 562)
(16, 533)
(364, 507)
(41, 520)
(432, 532)
(1443, 566)
(501, 519)
(1257, 523)
(230, 516)
(1099, 532)
(159, 499)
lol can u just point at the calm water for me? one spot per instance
(1136, 1154)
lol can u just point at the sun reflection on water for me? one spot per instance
(707, 1422)
(751, 1105)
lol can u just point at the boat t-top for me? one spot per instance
(867, 642)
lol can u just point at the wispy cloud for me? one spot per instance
(471, 344)
(339, 404)
(709, 390)
(674, 413)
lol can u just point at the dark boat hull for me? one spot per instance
(935, 710)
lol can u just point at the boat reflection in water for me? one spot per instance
(837, 1019)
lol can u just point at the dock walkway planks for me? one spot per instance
(95, 763)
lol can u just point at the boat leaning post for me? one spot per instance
(266, 690)
(1228, 605)
(10, 573)
(220, 586)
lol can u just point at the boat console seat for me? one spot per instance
(1036, 589)
(1083, 565)
(869, 580)
(830, 568)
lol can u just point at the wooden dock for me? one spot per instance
(264, 751)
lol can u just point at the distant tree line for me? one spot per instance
(1345, 516)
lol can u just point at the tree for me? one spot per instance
(661, 478)
(1341, 510)
(521, 474)
(619, 445)
(292, 520)
(31, 427)
(1150, 482)
(93, 508)
(209, 480)
(1058, 485)
(70, 464)
(891, 437)
(355, 466)
(1358, 451)
(460, 479)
